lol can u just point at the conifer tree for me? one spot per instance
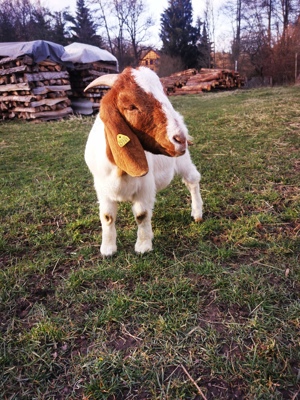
(39, 25)
(59, 30)
(83, 26)
(178, 35)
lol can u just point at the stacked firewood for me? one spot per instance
(176, 81)
(31, 90)
(83, 74)
(193, 82)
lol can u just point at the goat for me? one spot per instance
(136, 146)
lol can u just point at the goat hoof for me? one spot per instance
(108, 251)
(143, 247)
(199, 219)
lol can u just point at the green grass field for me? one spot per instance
(213, 312)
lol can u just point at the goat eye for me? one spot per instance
(132, 107)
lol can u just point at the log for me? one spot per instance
(18, 61)
(203, 78)
(93, 72)
(191, 71)
(46, 89)
(181, 92)
(8, 71)
(201, 86)
(52, 114)
(14, 87)
(22, 99)
(25, 109)
(49, 102)
(42, 76)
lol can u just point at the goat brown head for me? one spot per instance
(138, 116)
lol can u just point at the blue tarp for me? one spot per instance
(39, 50)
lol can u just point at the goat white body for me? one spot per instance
(155, 149)
(111, 188)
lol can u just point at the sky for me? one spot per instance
(156, 8)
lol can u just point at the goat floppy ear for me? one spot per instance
(126, 148)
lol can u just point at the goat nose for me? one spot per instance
(179, 139)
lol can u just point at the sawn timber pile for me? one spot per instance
(31, 90)
(193, 82)
(85, 73)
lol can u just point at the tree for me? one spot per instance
(208, 34)
(137, 26)
(14, 20)
(178, 36)
(59, 29)
(20, 20)
(127, 24)
(204, 49)
(39, 25)
(83, 27)
(7, 31)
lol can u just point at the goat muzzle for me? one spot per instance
(180, 145)
(179, 139)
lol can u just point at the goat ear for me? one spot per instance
(126, 148)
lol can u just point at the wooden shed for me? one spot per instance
(150, 58)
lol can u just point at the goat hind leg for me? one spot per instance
(196, 200)
(191, 178)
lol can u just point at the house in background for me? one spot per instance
(150, 58)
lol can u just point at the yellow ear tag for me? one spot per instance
(122, 140)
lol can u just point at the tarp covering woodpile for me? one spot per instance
(89, 62)
(192, 81)
(34, 81)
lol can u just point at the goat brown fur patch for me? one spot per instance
(128, 110)
(130, 158)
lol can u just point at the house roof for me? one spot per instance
(145, 52)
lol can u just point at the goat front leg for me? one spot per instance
(108, 215)
(143, 217)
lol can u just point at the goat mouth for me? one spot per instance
(174, 153)
(179, 153)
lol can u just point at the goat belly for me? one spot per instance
(125, 188)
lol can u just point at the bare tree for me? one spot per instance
(127, 25)
(137, 25)
(209, 19)
(234, 10)
(24, 20)
(106, 24)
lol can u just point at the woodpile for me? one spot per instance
(82, 75)
(193, 82)
(30, 90)
(177, 80)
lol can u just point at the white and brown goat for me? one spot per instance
(136, 146)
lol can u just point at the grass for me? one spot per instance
(213, 311)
